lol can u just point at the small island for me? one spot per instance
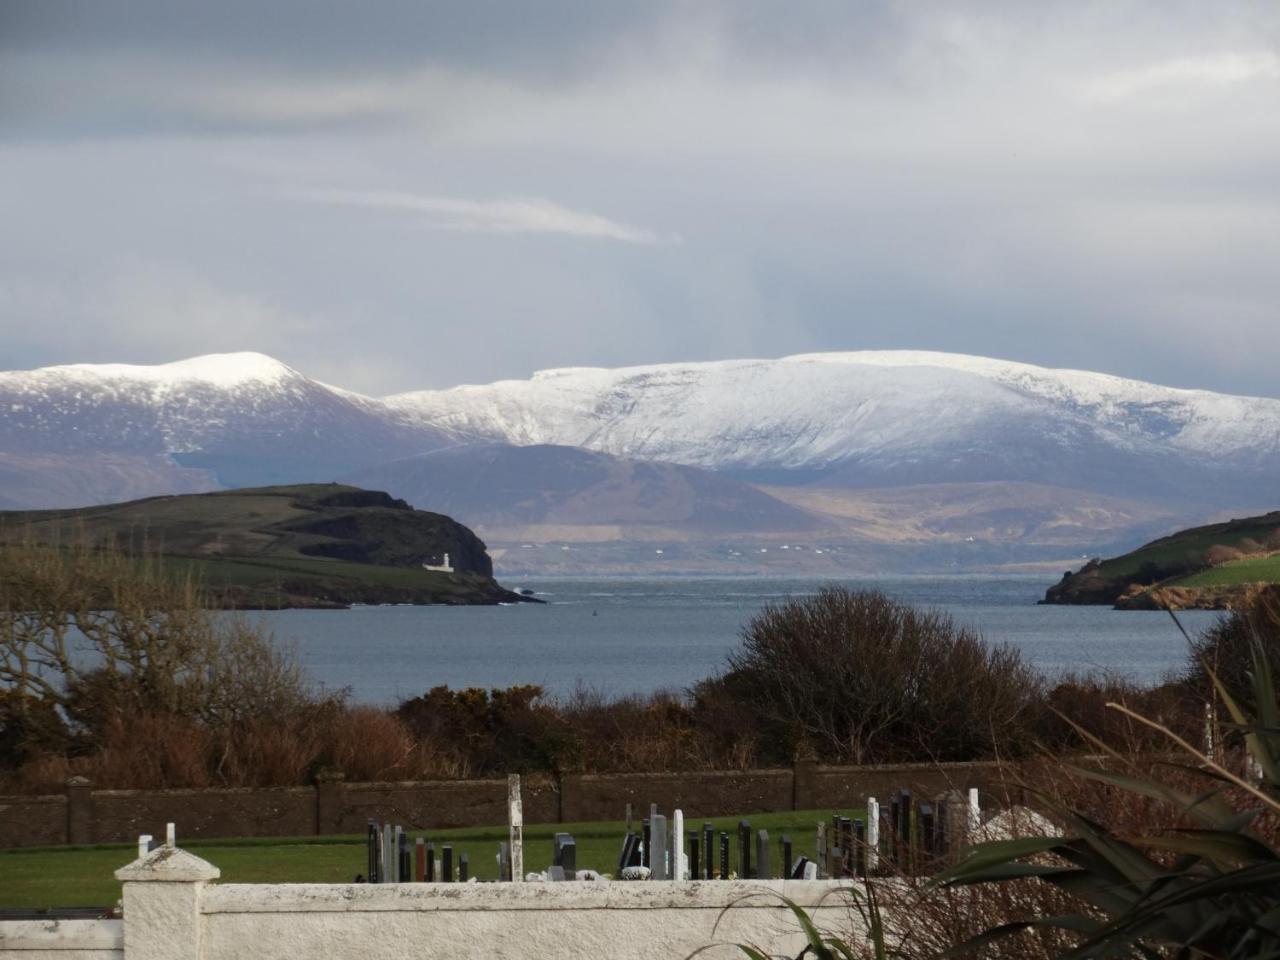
(302, 545)
(1214, 567)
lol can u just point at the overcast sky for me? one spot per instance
(410, 194)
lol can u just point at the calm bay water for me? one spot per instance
(635, 636)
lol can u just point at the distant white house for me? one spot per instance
(439, 568)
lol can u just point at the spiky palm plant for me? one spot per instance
(1208, 890)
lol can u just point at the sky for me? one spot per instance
(408, 194)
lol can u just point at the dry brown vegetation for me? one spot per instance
(174, 695)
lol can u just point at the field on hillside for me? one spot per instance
(82, 876)
(1187, 548)
(1236, 572)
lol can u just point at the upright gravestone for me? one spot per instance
(387, 869)
(860, 848)
(371, 847)
(678, 866)
(786, 856)
(820, 850)
(724, 855)
(515, 813)
(927, 826)
(744, 849)
(695, 865)
(708, 848)
(762, 855)
(630, 851)
(658, 852)
(873, 835)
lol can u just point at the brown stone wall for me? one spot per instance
(440, 805)
(120, 815)
(845, 788)
(33, 821)
(333, 806)
(705, 793)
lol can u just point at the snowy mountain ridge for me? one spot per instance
(813, 410)
(865, 419)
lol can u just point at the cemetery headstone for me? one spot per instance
(762, 855)
(860, 848)
(515, 817)
(708, 848)
(821, 849)
(873, 835)
(658, 854)
(678, 865)
(371, 848)
(694, 864)
(927, 827)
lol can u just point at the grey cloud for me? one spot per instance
(929, 175)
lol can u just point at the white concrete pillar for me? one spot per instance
(162, 893)
(515, 812)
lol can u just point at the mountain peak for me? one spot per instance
(216, 369)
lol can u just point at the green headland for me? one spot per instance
(303, 545)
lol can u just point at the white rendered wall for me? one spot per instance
(592, 921)
(174, 910)
(61, 940)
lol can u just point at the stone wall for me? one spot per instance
(174, 910)
(85, 815)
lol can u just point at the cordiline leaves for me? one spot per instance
(1222, 847)
(986, 855)
(1208, 808)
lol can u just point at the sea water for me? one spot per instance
(636, 636)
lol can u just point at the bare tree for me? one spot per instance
(90, 628)
(868, 679)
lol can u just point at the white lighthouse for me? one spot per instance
(441, 567)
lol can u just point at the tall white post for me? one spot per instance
(678, 865)
(170, 835)
(873, 834)
(515, 808)
(975, 813)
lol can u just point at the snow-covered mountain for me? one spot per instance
(839, 421)
(243, 416)
(883, 417)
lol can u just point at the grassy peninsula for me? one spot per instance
(1210, 567)
(302, 545)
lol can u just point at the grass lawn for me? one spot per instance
(82, 876)
(1248, 570)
